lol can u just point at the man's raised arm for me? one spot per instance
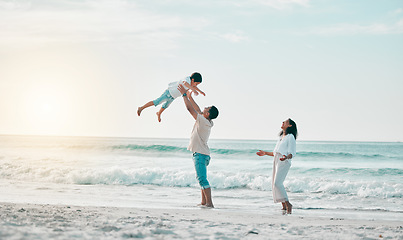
(188, 104)
(194, 104)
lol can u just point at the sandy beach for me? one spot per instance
(36, 221)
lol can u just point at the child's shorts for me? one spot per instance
(165, 97)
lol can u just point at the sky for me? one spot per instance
(83, 67)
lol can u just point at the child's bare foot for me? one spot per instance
(159, 116)
(139, 110)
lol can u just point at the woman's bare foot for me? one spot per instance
(139, 110)
(159, 116)
(284, 206)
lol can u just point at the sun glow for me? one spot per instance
(45, 109)
(53, 92)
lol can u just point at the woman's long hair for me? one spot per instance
(291, 130)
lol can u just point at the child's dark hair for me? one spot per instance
(196, 77)
(213, 112)
(293, 129)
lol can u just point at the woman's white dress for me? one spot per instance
(285, 147)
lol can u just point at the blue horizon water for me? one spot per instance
(186, 138)
(361, 178)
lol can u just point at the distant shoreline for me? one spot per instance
(212, 139)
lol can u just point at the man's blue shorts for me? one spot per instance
(201, 161)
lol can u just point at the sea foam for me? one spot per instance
(186, 178)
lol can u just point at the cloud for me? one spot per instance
(352, 29)
(236, 37)
(14, 5)
(106, 21)
(282, 4)
(396, 12)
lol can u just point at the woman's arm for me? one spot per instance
(262, 153)
(289, 156)
(291, 147)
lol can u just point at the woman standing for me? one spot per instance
(283, 153)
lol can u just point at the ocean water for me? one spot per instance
(360, 180)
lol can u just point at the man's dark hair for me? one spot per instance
(213, 112)
(196, 77)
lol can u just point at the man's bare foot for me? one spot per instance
(159, 116)
(289, 208)
(139, 111)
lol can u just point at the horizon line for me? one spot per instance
(182, 138)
